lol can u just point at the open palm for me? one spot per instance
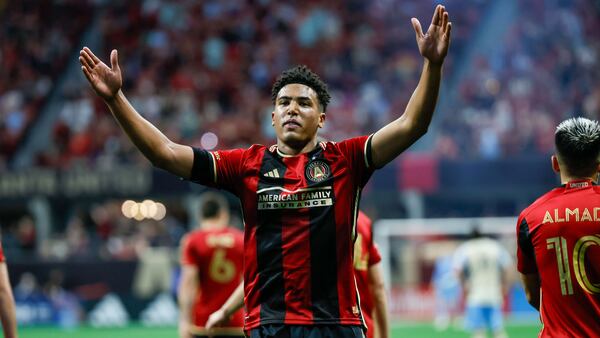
(433, 45)
(105, 81)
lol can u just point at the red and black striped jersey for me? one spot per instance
(559, 239)
(300, 216)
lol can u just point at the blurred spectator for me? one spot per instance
(26, 235)
(547, 71)
(36, 38)
(199, 67)
(33, 306)
(66, 307)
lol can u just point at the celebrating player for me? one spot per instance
(211, 262)
(7, 301)
(558, 237)
(299, 197)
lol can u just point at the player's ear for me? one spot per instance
(273, 118)
(322, 117)
(556, 166)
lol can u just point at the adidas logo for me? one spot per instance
(272, 173)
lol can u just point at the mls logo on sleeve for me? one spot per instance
(317, 171)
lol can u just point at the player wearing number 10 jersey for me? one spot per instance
(212, 265)
(559, 238)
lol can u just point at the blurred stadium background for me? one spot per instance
(84, 261)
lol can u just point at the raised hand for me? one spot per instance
(105, 81)
(433, 45)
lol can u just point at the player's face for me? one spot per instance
(297, 115)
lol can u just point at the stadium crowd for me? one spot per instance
(193, 77)
(201, 69)
(37, 39)
(548, 70)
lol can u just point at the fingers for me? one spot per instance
(87, 73)
(114, 60)
(447, 31)
(86, 60)
(444, 19)
(92, 55)
(417, 26)
(437, 15)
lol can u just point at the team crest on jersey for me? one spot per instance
(317, 171)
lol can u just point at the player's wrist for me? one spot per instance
(226, 312)
(114, 99)
(431, 65)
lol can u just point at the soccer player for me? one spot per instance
(369, 280)
(212, 263)
(7, 301)
(558, 237)
(483, 266)
(299, 197)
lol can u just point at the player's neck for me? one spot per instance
(213, 224)
(295, 149)
(566, 178)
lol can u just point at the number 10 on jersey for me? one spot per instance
(559, 245)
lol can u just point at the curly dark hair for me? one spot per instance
(302, 75)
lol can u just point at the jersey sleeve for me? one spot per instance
(188, 254)
(218, 169)
(374, 254)
(2, 258)
(525, 253)
(357, 151)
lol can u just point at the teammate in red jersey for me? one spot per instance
(7, 301)
(369, 280)
(212, 263)
(559, 237)
(299, 197)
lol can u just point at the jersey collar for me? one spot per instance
(320, 146)
(578, 184)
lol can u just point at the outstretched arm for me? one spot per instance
(394, 138)
(7, 305)
(106, 82)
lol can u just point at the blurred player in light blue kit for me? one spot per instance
(446, 288)
(483, 267)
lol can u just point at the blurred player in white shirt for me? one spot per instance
(483, 267)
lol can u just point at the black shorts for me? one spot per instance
(308, 331)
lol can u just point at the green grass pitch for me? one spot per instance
(398, 331)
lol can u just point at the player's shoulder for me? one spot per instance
(243, 152)
(356, 140)
(195, 235)
(364, 223)
(255, 148)
(541, 202)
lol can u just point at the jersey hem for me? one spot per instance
(348, 322)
